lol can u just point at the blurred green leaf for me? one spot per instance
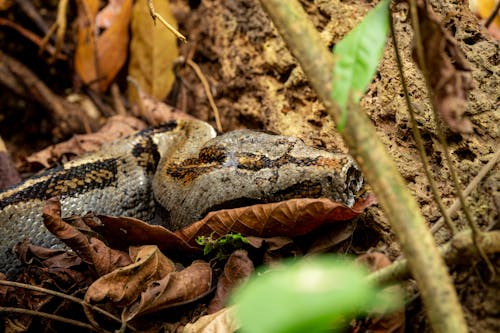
(319, 294)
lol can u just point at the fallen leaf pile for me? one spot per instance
(137, 269)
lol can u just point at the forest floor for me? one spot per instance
(257, 84)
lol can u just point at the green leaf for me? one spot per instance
(319, 294)
(357, 56)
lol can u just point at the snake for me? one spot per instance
(173, 175)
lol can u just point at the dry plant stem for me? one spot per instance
(155, 16)
(29, 9)
(206, 86)
(117, 102)
(460, 250)
(427, 266)
(35, 39)
(423, 67)
(65, 296)
(418, 137)
(52, 317)
(68, 117)
(472, 185)
(492, 16)
(61, 25)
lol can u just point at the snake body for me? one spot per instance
(173, 175)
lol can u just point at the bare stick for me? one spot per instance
(472, 185)
(206, 86)
(73, 322)
(62, 295)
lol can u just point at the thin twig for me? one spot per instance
(206, 86)
(59, 27)
(458, 189)
(472, 185)
(417, 136)
(459, 249)
(69, 321)
(492, 16)
(155, 16)
(34, 38)
(29, 9)
(62, 295)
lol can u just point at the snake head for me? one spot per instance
(244, 167)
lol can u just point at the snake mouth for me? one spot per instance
(354, 182)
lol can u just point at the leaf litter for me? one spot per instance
(120, 262)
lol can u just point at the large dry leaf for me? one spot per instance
(176, 288)
(115, 128)
(153, 49)
(236, 270)
(92, 251)
(124, 285)
(290, 218)
(223, 321)
(449, 72)
(99, 58)
(124, 231)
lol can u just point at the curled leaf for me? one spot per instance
(236, 270)
(448, 70)
(91, 251)
(176, 288)
(124, 285)
(290, 218)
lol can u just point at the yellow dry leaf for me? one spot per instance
(153, 50)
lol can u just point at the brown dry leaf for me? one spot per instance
(108, 14)
(276, 248)
(153, 49)
(99, 58)
(50, 258)
(115, 128)
(123, 285)
(331, 237)
(223, 321)
(379, 320)
(123, 231)
(176, 288)
(449, 72)
(236, 270)
(93, 252)
(65, 232)
(156, 112)
(8, 172)
(290, 218)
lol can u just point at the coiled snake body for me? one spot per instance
(182, 166)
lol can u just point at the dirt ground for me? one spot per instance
(257, 84)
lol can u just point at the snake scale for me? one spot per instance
(173, 175)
